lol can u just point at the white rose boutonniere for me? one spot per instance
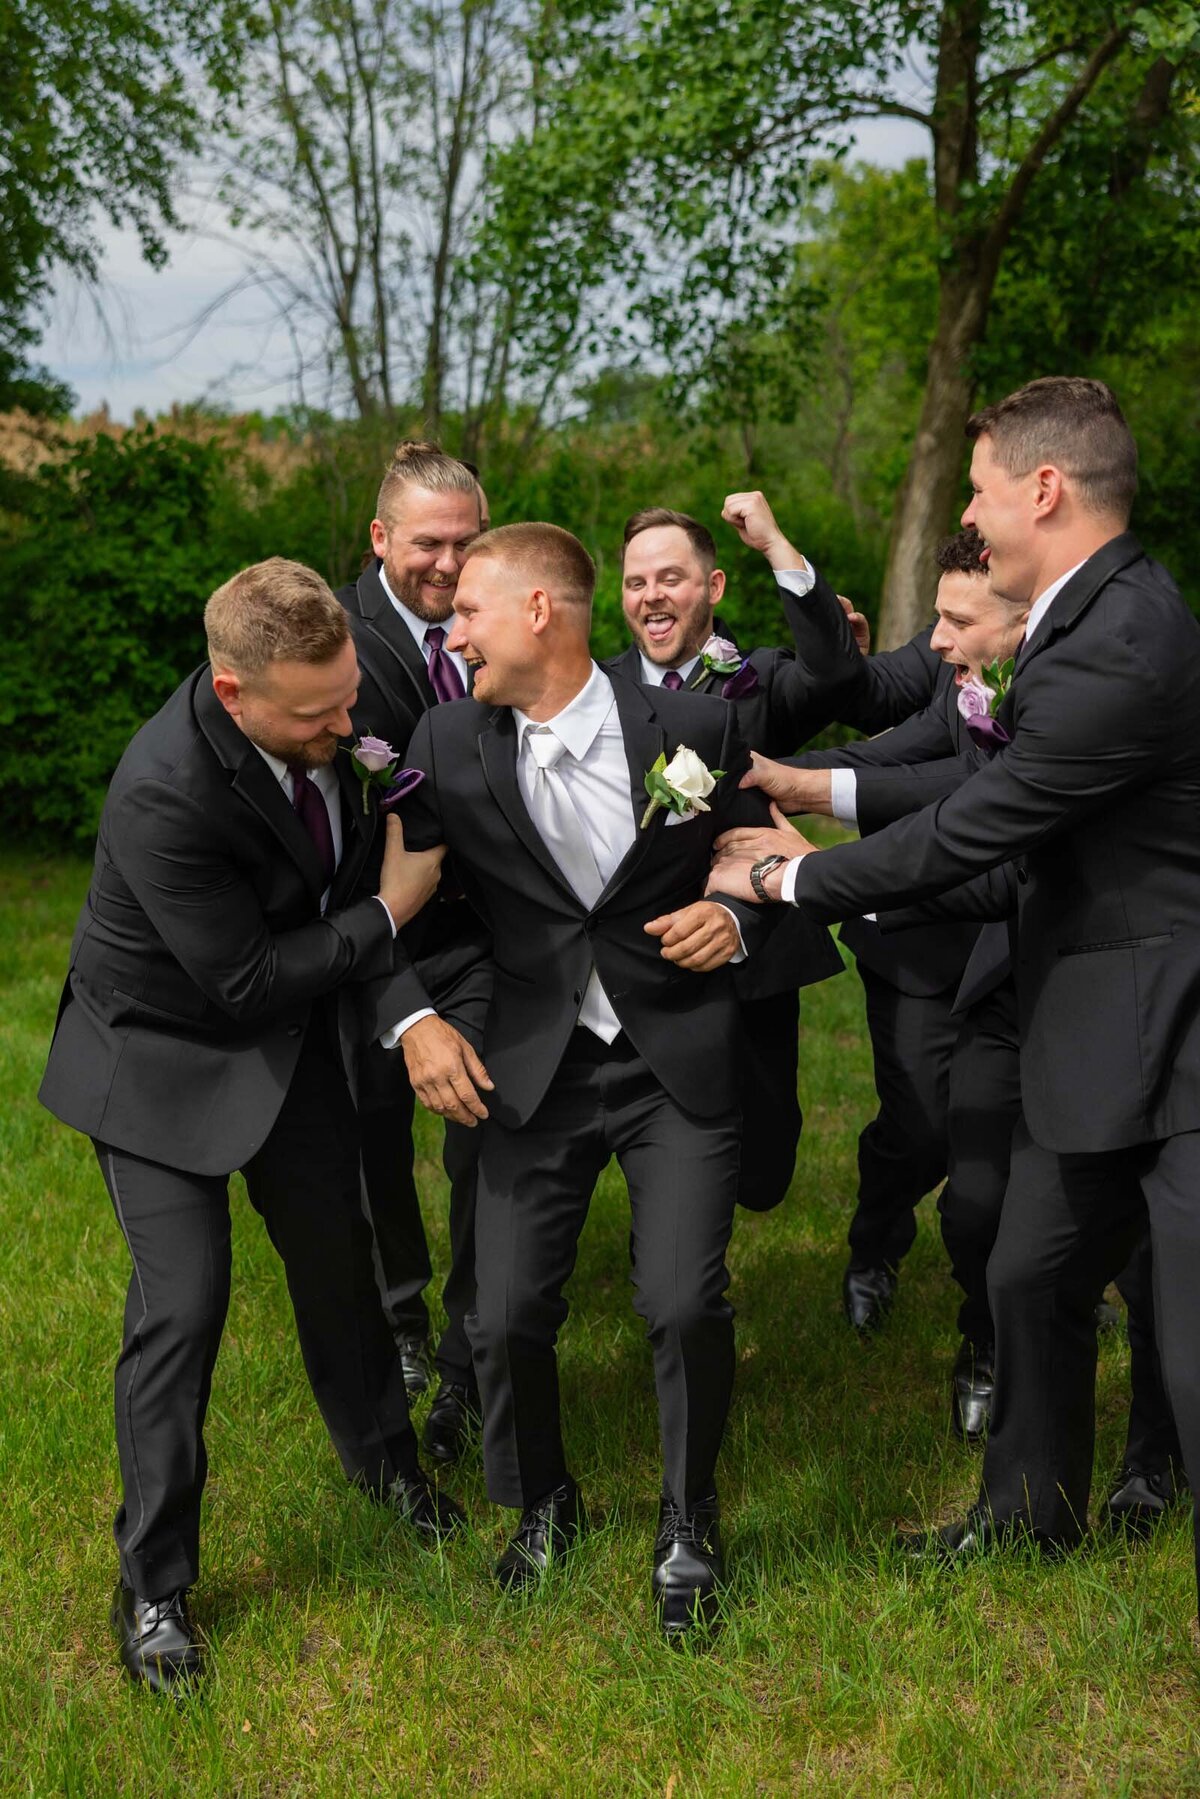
(681, 785)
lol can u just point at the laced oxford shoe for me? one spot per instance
(432, 1514)
(867, 1295)
(1139, 1501)
(416, 1363)
(689, 1567)
(454, 1419)
(971, 1388)
(546, 1531)
(157, 1639)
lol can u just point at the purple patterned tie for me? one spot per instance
(444, 678)
(673, 679)
(313, 814)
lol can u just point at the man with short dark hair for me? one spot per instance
(1093, 795)
(613, 1029)
(200, 1032)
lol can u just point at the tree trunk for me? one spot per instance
(932, 494)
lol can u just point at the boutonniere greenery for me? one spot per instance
(377, 765)
(979, 699)
(719, 656)
(680, 785)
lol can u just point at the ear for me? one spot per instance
(540, 607)
(379, 536)
(716, 586)
(1048, 491)
(228, 689)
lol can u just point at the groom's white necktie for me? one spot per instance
(561, 830)
(558, 823)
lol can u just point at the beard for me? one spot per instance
(407, 587)
(317, 753)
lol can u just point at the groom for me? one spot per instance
(613, 1029)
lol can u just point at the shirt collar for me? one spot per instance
(325, 776)
(578, 724)
(652, 674)
(1041, 605)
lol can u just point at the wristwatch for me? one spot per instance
(759, 870)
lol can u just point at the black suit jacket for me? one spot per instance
(1096, 800)
(201, 946)
(891, 780)
(448, 943)
(546, 940)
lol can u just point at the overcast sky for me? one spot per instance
(149, 352)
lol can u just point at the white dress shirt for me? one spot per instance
(419, 626)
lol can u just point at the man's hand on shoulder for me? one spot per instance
(444, 1071)
(702, 936)
(754, 522)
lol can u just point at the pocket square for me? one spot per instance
(680, 818)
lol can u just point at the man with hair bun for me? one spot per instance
(613, 1029)
(428, 510)
(239, 889)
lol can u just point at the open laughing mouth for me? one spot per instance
(658, 626)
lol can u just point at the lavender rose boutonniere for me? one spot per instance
(721, 656)
(377, 764)
(979, 699)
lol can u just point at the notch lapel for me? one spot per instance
(645, 740)
(393, 635)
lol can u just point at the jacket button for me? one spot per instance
(1022, 875)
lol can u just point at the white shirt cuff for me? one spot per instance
(392, 1037)
(799, 581)
(741, 948)
(787, 892)
(843, 796)
(387, 914)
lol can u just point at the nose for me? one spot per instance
(457, 639)
(449, 561)
(941, 639)
(341, 725)
(968, 517)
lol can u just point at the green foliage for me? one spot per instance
(106, 572)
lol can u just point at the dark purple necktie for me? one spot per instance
(313, 814)
(444, 678)
(673, 679)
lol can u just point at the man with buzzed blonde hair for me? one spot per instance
(613, 1029)
(238, 889)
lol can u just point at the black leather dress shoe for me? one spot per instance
(416, 1363)
(688, 1567)
(157, 1639)
(432, 1514)
(867, 1295)
(454, 1419)
(546, 1531)
(953, 1544)
(971, 1388)
(1139, 1501)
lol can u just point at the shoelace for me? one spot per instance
(679, 1526)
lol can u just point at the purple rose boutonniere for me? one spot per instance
(721, 656)
(377, 764)
(979, 699)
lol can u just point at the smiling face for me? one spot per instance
(668, 596)
(1004, 510)
(294, 710)
(975, 626)
(422, 546)
(496, 611)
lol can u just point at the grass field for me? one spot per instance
(344, 1660)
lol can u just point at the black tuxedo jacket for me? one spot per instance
(448, 943)
(1096, 800)
(201, 946)
(686, 1025)
(890, 782)
(799, 691)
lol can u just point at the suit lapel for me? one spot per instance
(498, 754)
(645, 740)
(358, 826)
(254, 783)
(1075, 598)
(393, 635)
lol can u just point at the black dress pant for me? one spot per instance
(535, 1185)
(304, 1181)
(771, 1117)
(985, 1105)
(1068, 1226)
(391, 1203)
(902, 1152)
